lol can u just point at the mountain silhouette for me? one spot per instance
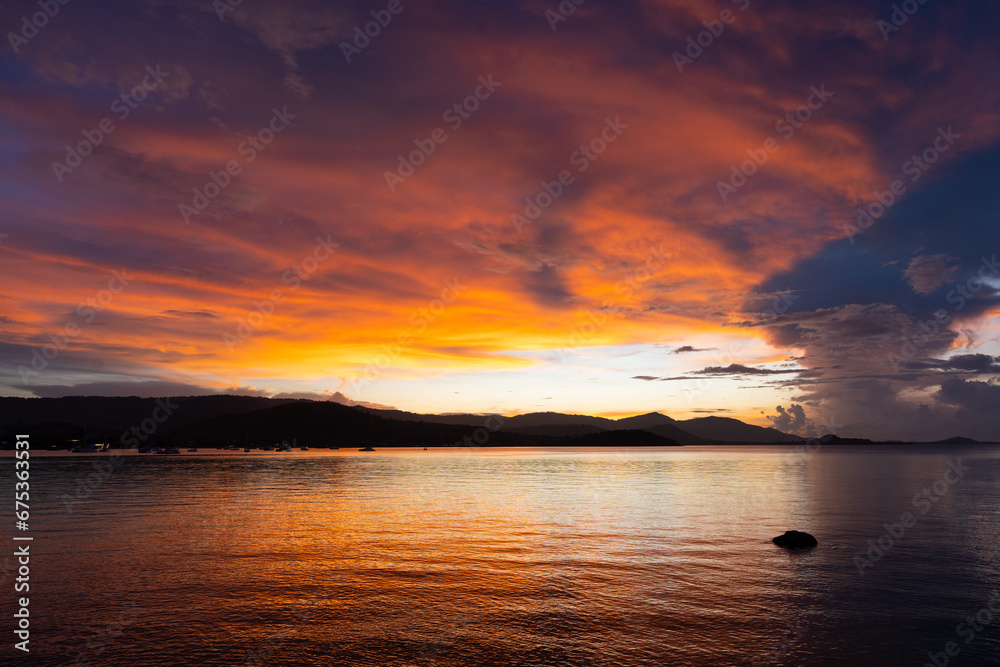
(220, 420)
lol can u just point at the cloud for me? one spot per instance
(740, 369)
(849, 378)
(856, 317)
(547, 286)
(291, 27)
(778, 244)
(193, 314)
(333, 396)
(163, 389)
(860, 337)
(338, 397)
(928, 272)
(975, 405)
(849, 382)
(735, 370)
(142, 389)
(792, 420)
(972, 398)
(966, 363)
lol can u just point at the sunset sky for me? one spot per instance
(655, 275)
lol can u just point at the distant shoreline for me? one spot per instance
(439, 449)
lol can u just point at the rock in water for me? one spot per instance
(793, 539)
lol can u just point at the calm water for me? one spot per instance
(511, 557)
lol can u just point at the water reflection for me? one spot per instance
(516, 558)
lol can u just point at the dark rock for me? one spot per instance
(793, 539)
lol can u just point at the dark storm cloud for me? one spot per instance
(792, 420)
(971, 397)
(855, 336)
(966, 363)
(933, 253)
(946, 214)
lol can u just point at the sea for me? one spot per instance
(528, 557)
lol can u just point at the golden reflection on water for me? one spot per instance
(510, 557)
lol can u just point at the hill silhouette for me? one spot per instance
(733, 430)
(220, 420)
